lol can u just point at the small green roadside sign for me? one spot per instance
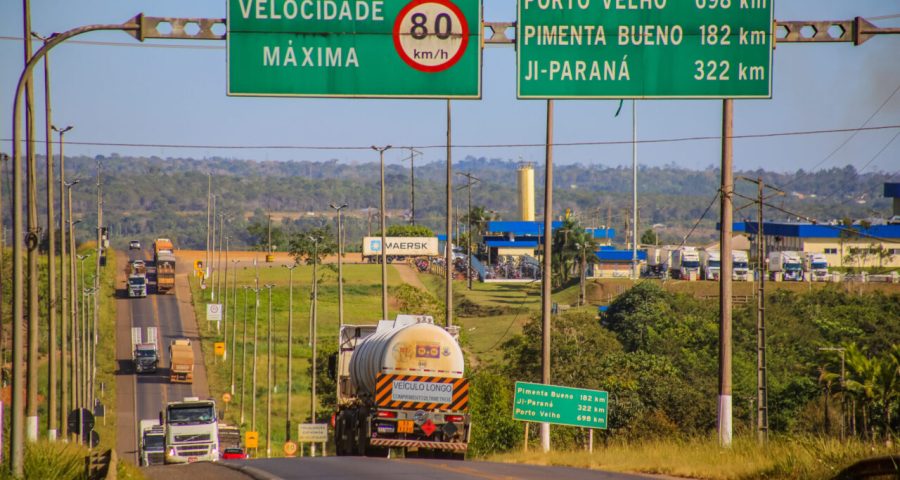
(577, 407)
(580, 49)
(354, 48)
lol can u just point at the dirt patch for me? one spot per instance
(409, 275)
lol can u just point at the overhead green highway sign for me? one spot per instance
(354, 48)
(579, 407)
(644, 49)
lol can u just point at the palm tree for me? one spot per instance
(479, 217)
(585, 245)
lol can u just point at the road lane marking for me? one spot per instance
(458, 469)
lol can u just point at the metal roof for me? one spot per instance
(520, 227)
(512, 244)
(810, 230)
(619, 255)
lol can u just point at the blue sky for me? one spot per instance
(177, 96)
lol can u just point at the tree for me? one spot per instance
(313, 245)
(479, 217)
(585, 246)
(407, 231)
(649, 237)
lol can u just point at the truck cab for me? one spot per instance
(192, 432)
(152, 443)
(137, 286)
(144, 349)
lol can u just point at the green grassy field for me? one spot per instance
(362, 305)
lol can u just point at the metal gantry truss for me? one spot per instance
(856, 31)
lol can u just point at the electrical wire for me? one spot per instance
(796, 133)
(708, 207)
(848, 139)
(875, 157)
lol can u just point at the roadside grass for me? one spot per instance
(64, 461)
(702, 458)
(362, 305)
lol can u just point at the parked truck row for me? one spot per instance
(691, 263)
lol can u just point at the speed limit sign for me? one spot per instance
(431, 35)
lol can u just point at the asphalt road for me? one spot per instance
(362, 468)
(142, 396)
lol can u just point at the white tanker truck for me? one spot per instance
(401, 385)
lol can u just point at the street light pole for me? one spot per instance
(269, 375)
(315, 313)
(233, 320)
(52, 380)
(340, 262)
(384, 295)
(63, 288)
(244, 354)
(255, 341)
(290, 355)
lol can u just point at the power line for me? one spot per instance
(875, 157)
(482, 146)
(851, 137)
(686, 237)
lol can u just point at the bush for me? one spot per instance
(490, 404)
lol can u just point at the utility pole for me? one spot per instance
(762, 382)
(96, 306)
(53, 377)
(221, 241)
(412, 185)
(547, 276)
(315, 314)
(448, 248)
(634, 205)
(244, 354)
(290, 355)
(468, 186)
(725, 277)
(208, 219)
(340, 223)
(269, 376)
(63, 289)
(225, 302)
(212, 275)
(233, 320)
(384, 294)
(31, 241)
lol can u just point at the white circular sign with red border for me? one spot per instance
(431, 35)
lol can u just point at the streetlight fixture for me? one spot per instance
(340, 223)
(290, 355)
(384, 297)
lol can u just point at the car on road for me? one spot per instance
(134, 245)
(234, 454)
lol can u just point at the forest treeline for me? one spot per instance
(150, 196)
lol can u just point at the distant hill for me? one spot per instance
(151, 196)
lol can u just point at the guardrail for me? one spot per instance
(100, 465)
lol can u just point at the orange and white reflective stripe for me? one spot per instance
(384, 387)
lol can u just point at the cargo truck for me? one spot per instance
(192, 431)
(401, 385)
(740, 266)
(165, 273)
(710, 264)
(181, 356)
(815, 267)
(785, 266)
(658, 260)
(144, 349)
(152, 439)
(685, 263)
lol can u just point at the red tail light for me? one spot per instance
(386, 414)
(453, 418)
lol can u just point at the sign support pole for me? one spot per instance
(448, 245)
(546, 290)
(724, 410)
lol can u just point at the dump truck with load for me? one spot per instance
(181, 357)
(401, 385)
(144, 349)
(165, 273)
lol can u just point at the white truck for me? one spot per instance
(740, 266)
(685, 263)
(815, 267)
(137, 279)
(192, 431)
(710, 264)
(658, 259)
(152, 439)
(144, 349)
(401, 385)
(785, 266)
